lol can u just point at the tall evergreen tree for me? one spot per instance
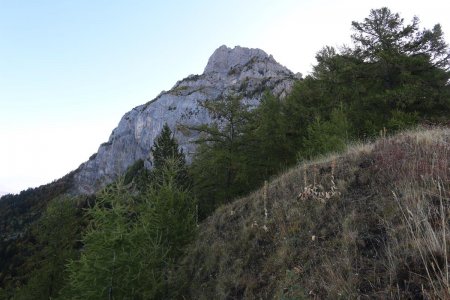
(325, 136)
(394, 76)
(133, 240)
(218, 159)
(383, 35)
(165, 148)
(169, 209)
(120, 259)
(409, 66)
(265, 137)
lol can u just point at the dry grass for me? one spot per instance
(423, 198)
(371, 223)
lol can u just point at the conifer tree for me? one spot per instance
(382, 36)
(265, 137)
(218, 161)
(408, 67)
(394, 76)
(325, 136)
(133, 240)
(165, 148)
(120, 259)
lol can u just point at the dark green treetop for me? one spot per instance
(165, 146)
(384, 33)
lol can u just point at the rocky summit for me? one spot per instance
(243, 71)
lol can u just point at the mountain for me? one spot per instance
(242, 71)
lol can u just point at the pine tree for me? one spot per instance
(165, 148)
(394, 76)
(383, 35)
(169, 209)
(218, 161)
(265, 137)
(408, 66)
(120, 258)
(133, 240)
(325, 136)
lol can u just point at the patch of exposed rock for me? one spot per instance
(244, 71)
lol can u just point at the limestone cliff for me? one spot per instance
(248, 72)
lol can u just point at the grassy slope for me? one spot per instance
(370, 222)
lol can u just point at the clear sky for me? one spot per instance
(70, 69)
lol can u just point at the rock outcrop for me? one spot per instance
(244, 71)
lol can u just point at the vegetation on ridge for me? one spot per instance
(372, 222)
(394, 77)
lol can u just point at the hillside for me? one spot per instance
(372, 222)
(18, 213)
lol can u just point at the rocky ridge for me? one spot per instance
(243, 71)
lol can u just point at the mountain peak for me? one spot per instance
(224, 59)
(244, 71)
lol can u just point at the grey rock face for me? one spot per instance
(244, 71)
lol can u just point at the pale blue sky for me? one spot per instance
(70, 69)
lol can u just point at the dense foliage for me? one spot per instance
(395, 76)
(18, 216)
(56, 232)
(136, 233)
(219, 157)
